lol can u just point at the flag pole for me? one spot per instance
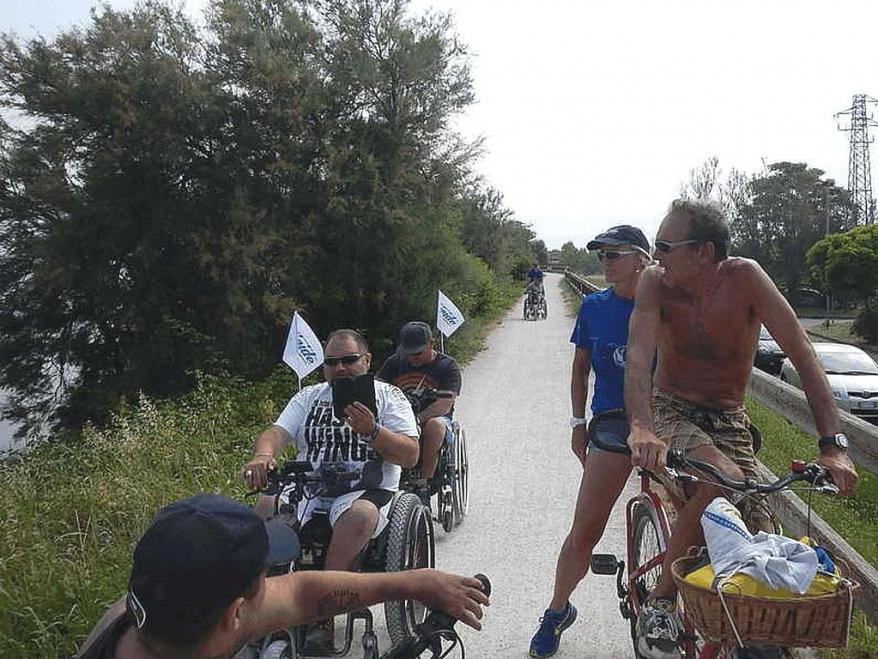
(300, 382)
(442, 342)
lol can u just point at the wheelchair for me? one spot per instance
(535, 307)
(406, 543)
(450, 483)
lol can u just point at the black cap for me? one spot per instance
(414, 337)
(197, 556)
(624, 234)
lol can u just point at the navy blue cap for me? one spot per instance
(199, 555)
(414, 337)
(624, 234)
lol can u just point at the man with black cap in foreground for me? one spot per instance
(431, 382)
(198, 587)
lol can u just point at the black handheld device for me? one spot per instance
(345, 391)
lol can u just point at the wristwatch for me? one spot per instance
(838, 440)
(577, 421)
(372, 436)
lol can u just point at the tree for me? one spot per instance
(785, 215)
(707, 181)
(846, 264)
(178, 193)
(579, 260)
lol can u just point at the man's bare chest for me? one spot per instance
(715, 326)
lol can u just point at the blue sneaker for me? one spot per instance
(545, 642)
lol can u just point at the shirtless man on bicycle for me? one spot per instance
(702, 309)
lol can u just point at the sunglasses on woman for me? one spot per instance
(347, 360)
(612, 256)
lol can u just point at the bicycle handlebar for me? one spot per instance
(303, 473)
(813, 473)
(425, 634)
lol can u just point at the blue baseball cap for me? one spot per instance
(199, 555)
(623, 234)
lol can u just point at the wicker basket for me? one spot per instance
(815, 621)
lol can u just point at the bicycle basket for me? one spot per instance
(806, 621)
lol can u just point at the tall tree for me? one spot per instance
(787, 213)
(179, 192)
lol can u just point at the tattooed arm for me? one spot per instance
(303, 597)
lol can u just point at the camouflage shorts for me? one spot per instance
(687, 426)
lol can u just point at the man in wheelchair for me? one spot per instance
(431, 382)
(378, 448)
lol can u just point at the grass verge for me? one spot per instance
(72, 512)
(855, 517)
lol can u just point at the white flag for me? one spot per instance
(303, 351)
(448, 316)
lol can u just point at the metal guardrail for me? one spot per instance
(790, 403)
(580, 283)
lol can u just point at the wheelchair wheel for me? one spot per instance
(410, 545)
(460, 471)
(277, 650)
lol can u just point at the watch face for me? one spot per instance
(841, 441)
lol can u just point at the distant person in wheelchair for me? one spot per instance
(600, 337)
(380, 447)
(431, 382)
(534, 280)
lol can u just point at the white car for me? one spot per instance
(852, 373)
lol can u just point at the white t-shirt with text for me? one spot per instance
(321, 438)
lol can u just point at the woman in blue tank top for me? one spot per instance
(601, 339)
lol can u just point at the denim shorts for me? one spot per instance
(608, 432)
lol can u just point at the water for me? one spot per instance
(6, 429)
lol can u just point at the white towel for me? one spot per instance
(775, 560)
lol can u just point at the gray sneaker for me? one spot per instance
(658, 630)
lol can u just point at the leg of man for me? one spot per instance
(602, 481)
(350, 534)
(432, 436)
(687, 529)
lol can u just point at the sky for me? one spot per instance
(593, 113)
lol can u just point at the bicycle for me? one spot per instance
(648, 531)
(406, 543)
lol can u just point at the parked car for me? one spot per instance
(806, 297)
(852, 373)
(769, 356)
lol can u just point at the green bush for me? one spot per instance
(866, 323)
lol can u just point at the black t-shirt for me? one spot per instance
(423, 385)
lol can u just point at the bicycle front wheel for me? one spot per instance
(648, 543)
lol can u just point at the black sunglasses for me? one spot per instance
(347, 360)
(665, 246)
(612, 256)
